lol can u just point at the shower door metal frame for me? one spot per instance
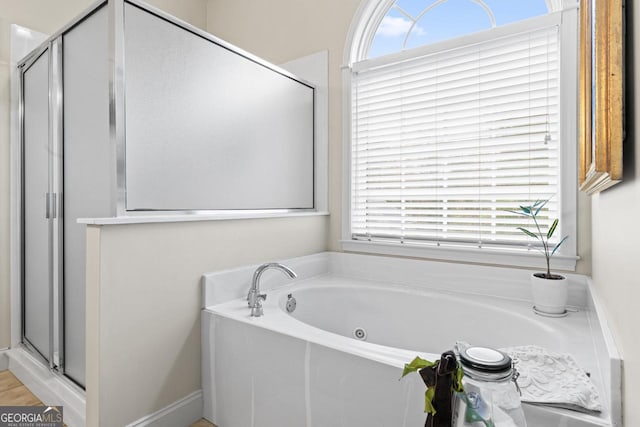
(57, 177)
(53, 47)
(118, 97)
(53, 198)
(23, 67)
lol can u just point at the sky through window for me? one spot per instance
(438, 20)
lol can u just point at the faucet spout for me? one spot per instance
(254, 297)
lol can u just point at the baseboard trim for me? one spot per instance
(183, 412)
(50, 388)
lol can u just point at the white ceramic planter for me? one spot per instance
(549, 295)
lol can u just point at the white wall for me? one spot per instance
(616, 235)
(143, 296)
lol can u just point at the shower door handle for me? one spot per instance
(50, 205)
(54, 205)
(47, 210)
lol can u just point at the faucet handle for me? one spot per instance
(256, 310)
(254, 296)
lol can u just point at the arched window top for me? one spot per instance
(412, 23)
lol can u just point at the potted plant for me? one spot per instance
(549, 290)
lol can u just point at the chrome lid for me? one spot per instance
(485, 360)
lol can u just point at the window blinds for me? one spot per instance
(443, 144)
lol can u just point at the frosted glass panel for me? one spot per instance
(88, 163)
(36, 185)
(207, 128)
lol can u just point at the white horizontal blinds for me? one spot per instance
(442, 144)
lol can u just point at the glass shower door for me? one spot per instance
(37, 261)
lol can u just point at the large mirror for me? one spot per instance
(601, 93)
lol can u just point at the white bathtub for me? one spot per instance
(307, 369)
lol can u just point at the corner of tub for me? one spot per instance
(610, 358)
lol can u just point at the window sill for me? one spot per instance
(181, 217)
(494, 256)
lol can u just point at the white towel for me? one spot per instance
(553, 379)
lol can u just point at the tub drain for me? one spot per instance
(360, 334)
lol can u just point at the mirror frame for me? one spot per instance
(601, 123)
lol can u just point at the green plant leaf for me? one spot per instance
(558, 245)
(428, 401)
(539, 204)
(457, 380)
(525, 231)
(416, 364)
(516, 212)
(552, 228)
(526, 209)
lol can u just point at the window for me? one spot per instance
(457, 114)
(411, 23)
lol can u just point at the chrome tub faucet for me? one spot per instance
(254, 297)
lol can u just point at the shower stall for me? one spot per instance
(199, 126)
(65, 170)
